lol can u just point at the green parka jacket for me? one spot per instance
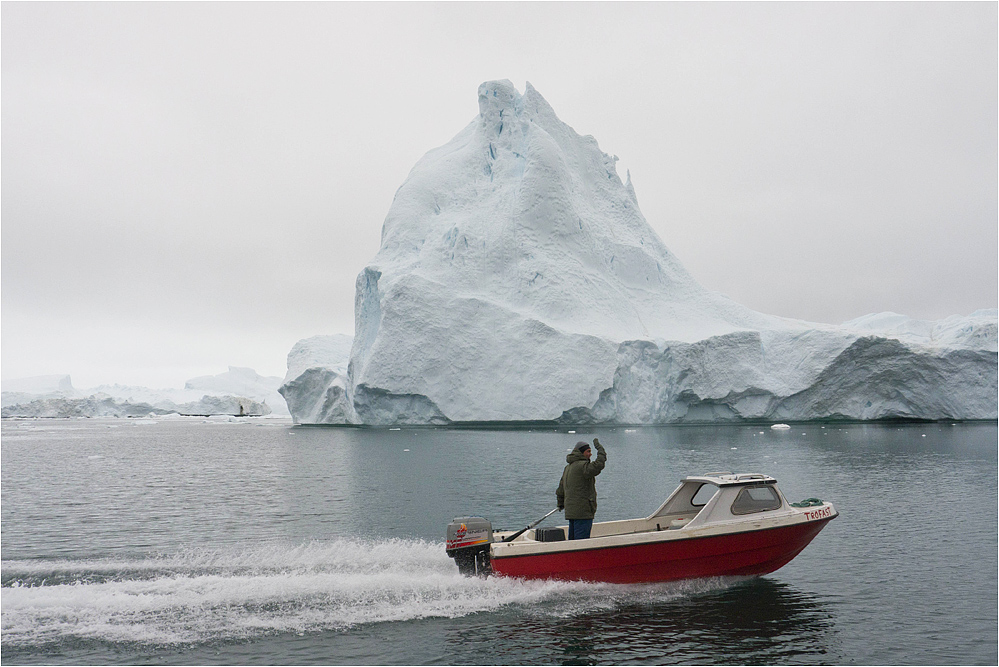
(577, 490)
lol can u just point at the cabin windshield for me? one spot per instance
(753, 499)
(689, 500)
(703, 495)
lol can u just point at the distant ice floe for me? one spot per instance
(238, 392)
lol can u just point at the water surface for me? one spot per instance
(255, 542)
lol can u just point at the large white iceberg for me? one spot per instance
(517, 280)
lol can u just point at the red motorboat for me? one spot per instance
(716, 524)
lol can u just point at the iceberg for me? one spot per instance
(239, 391)
(235, 406)
(102, 405)
(315, 387)
(68, 408)
(518, 281)
(25, 390)
(242, 383)
(41, 385)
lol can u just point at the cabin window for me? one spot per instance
(703, 495)
(756, 499)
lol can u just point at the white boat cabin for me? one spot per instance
(719, 496)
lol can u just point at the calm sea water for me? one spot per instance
(255, 542)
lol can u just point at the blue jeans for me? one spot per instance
(579, 529)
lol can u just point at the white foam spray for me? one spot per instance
(202, 594)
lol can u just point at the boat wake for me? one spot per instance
(202, 595)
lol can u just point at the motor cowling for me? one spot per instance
(468, 541)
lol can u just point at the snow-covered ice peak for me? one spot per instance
(500, 105)
(516, 233)
(521, 211)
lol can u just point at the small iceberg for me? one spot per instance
(779, 427)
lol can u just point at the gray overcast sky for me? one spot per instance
(187, 186)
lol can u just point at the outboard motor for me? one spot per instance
(468, 540)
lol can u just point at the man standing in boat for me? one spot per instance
(577, 490)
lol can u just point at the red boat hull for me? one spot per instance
(733, 554)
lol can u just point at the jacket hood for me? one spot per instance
(575, 455)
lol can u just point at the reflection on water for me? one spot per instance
(752, 621)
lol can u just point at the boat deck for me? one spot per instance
(613, 528)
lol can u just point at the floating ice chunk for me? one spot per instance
(779, 427)
(316, 383)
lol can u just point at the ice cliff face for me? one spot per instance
(315, 388)
(517, 280)
(784, 376)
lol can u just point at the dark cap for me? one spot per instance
(582, 446)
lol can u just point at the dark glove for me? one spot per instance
(560, 508)
(596, 442)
